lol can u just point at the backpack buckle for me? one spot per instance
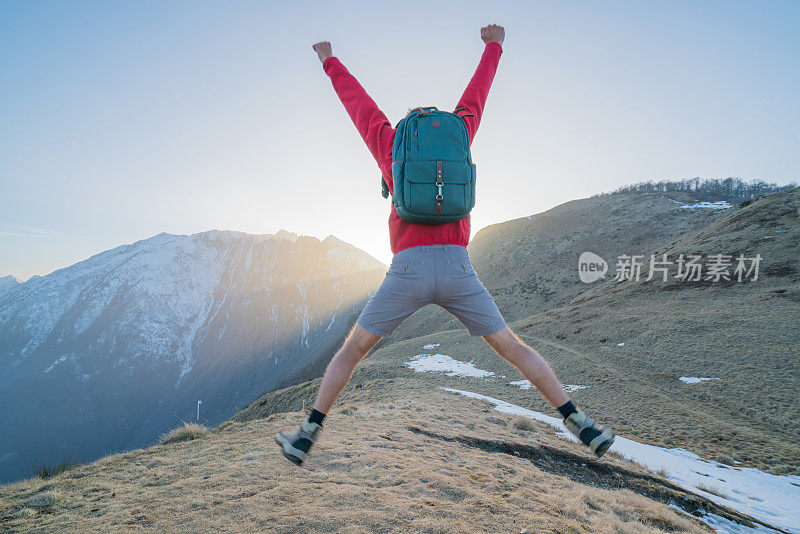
(439, 181)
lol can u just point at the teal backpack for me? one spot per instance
(432, 169)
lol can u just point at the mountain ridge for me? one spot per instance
(167, 319)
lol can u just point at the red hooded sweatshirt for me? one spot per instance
(378, 134)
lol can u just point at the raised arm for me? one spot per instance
(371, 123)
(472, 102)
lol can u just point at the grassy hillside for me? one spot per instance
(744, 333)
(397, 454)
(530, 264)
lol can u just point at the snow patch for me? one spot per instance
(526, 384)
(694, 379)
(523, 384)
(720, 524)
(430, 346)
(569, 388)
(60, 360)
(307, 315)
(441, 362)
(719, 205)
(333, 317)
(769, 498)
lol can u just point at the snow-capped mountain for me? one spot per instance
(7, 283)
(110, 352)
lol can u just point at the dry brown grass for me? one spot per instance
(187, 432)
(523, 423)
(415, 467)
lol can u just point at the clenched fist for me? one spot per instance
(323, 50)
(493, 34)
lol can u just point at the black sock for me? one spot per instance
(316, 417)
(567, 409)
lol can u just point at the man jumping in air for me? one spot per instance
(430, 266)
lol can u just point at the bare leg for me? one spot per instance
(340, 368)
(530, 363)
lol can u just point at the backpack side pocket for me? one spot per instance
(472, 185)
(398, 181)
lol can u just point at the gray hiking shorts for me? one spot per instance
(431, 274)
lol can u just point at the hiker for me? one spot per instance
(430, 262)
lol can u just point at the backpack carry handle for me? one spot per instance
(424, 110)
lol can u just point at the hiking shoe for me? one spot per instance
(295, 445)
(598, 439)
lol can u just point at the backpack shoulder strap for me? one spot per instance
(384, 188)
(397, 146)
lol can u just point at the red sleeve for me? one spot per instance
(474, 98)
(372, 124)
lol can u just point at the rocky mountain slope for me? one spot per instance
(108, 353)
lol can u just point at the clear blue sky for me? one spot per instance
(121, 120)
